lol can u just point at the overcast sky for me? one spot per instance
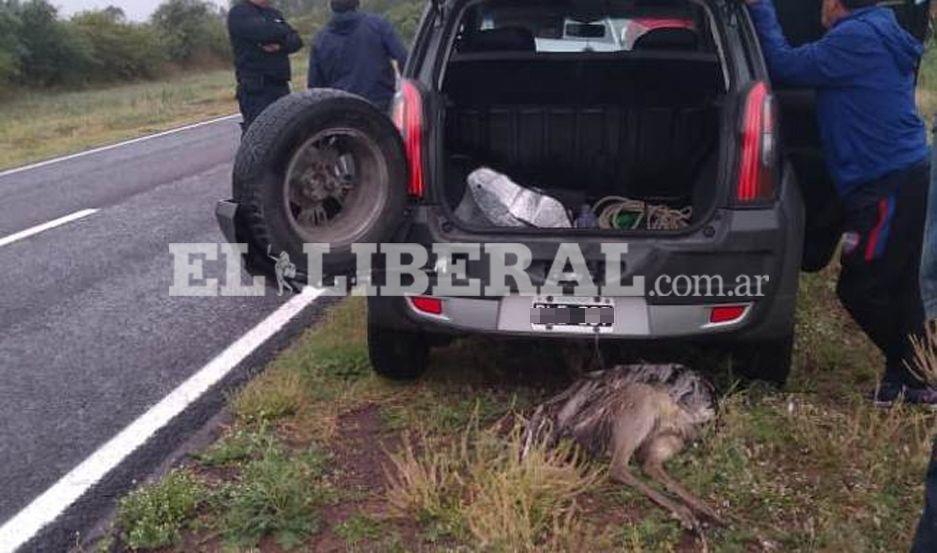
(136, 10)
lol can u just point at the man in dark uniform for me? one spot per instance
(354, 53)
(262, 42)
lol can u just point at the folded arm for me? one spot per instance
(292, 43)
(242, 23)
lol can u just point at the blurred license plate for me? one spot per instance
(573, 314)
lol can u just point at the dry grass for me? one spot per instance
(326, 373)
(925, 350)
(812, 474)
(277, 395)
(35, 126)
(481, 489)
(40, 125)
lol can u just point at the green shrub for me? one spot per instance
(123, 51)
(358, 528)
(51, 52)
(405, 17)
(277, 494)
(154, 515)
(191, 31)
(348, 361)
(10, 48)
(237, 446)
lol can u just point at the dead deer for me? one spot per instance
(650, 412)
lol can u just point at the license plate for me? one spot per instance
(585, 315)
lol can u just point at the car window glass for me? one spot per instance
(555, 27)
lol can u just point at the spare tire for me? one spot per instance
(320, 166)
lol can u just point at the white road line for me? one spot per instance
(15, 170)
(45, 226)
(54, 501)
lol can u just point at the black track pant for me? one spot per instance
(255, 93)
(879, 285)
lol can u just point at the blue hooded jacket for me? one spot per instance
(353, 53)
(864, 72)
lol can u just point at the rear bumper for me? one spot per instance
(633, 318)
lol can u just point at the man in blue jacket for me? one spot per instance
(262, 42)
(354, 53)
(864, 71)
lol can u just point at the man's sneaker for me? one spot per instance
(888, 394)
(926, 396)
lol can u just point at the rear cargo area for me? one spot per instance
(641, 128)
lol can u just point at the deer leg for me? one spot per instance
(633, 425)
(655, 454)
(686, 517)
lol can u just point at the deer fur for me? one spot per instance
(647, 412)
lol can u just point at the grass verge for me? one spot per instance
(40, 125)
(435, 465)
(36, 126)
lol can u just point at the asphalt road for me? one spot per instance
(90, 337)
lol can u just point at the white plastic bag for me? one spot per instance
(508, 204)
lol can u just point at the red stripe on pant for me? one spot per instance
(874, 236)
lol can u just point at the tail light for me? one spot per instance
(408, 116)
(758, 166)
(724, 314)
(427, 304)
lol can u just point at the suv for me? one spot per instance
(680, 116)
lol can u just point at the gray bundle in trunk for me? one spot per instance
(649, 412)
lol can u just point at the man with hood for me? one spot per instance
(864, 71)
(262, 42)
(354, 53)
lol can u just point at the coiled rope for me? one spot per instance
(619, 212)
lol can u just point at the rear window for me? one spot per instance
(614, 26)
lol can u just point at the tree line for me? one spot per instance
(41, 49)
(307, 16)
